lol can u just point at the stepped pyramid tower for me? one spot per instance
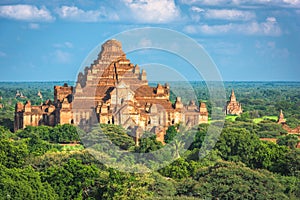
(233, 107)
(112, 90)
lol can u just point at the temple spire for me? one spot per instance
(232, 96)
(281, 119)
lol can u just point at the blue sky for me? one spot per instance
(249, 40)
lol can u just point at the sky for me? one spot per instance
(248, 40)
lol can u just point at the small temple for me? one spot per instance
(281, 119)
(233, 107)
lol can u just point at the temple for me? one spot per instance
(281, 119)
(113, 91)
(233, 107)
(49, 113)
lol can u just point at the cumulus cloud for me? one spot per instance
(25, 13)
(280, 3)
(229, 14)
(74, 13)
(267, 28)
(153, 11)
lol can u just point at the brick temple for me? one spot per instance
(112, 90)
(233, 107)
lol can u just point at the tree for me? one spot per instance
(162, 186)
(105, 135)
(4, 132)
(13, 153)
(64, 134)
(148, 143)
(170, 134)
(289, 140)
(179, 169)
(226, 180)
(23, 184)
(237, 144)
(42, 132)
(71, 180)
(199, 137)
(289, 165)
(120, 185)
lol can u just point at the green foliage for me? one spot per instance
(59, 134)
(237, 144)
(162, 186)
(292, 185)
(170, 134)
(71, 180)
(293, 121)
(120, 185)
(289, 140)
(245, 117)
(103, 136)
(269, 129)
(36, 146)
(12, 153)
(289, 164)
(117, 135)
(5, 132)
(24, 184)
(270, 118)
(179, 169)
(199, 137)
(148, 143)
(64, 134)
(227, 180)
(267, 155)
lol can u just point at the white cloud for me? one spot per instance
(153, 11)
(25, 12)
(227, 14)
(279, 3)
(204, 2)
(292, 2)
(271, 19)
(196, 9)
(267, 28)
(33, 26)
(74, 13)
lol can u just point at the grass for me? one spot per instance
(228, 117)
(231, 117)
(72, 147)
(257, 120)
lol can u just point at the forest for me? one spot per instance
(65, 162)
